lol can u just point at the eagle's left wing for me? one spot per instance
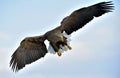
(30, 50)
(84, 15)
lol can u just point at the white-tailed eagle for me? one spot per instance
(33, 48)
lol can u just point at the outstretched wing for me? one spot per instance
(30, 50)
(84, 15)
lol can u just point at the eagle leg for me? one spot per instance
(69, 47)
(56, 49)
(59, 53)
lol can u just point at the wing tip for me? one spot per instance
(104, 7)
(14, 64)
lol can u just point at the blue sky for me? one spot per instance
(95, 52)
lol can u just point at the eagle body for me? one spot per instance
(56, 34)
(56, 38)
(33, 48)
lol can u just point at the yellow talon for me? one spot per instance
(59, 53)
(69, 47)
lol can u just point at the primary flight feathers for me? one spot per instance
(33, 48)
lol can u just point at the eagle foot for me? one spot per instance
(69, 47)
(59, 53)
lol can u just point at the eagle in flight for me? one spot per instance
(33, 48)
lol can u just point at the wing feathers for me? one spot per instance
(30, 50)
(101, 8)
(84, 15)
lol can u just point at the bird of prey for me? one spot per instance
(33, 48)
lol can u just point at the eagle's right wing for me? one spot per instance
(30, 50)
(84, 15)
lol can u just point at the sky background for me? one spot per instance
(96, 47)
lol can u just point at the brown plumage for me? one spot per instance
(33, 48)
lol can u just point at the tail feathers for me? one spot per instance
(51, 50)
